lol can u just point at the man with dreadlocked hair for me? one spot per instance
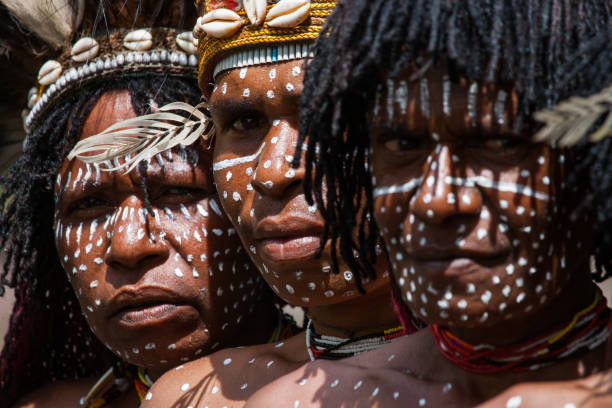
(135, 247)
(496, 228)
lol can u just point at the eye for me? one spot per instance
(246, 122)
(502, 143)
(179, 195)
(403, 144)
(89, 207)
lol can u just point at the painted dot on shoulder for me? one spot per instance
(269, 363)
(395, 395)
(185, 387)
(447, 387)
(227, 361)
(251, 361)
(270, 94)
(214, 390)
(357, 385)
(302, 382)
(334, 383)
(244, 386)
(514, 402)
(148, 396)
(296, 71)
(279, 345)
(422, 402)
(569, 405)
(296, 404)
(375, 392)
(289, 86)
(246, 92)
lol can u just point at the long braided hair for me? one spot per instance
(548, 49)
(48, 338)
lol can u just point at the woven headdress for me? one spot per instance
(130, 42)
(229, 34)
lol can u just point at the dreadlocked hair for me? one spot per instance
(530, 44)
(46, 306)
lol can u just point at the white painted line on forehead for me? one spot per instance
(394, 189)
(224, 164)
(481, 181)
(503, 186)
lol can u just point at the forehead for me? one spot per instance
(435, 103)
(112, 107)
(283, 78)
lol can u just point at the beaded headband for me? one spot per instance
(121, 52)
(234, 33)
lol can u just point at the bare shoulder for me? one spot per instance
(387, 377)
(228, 377)
(594, 391)
(344, 384)
(58, 394)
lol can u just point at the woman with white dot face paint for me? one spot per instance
(484, 227)
(253, 95)
(156, 267)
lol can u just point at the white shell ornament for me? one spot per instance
(288, 13)
(221, 23)
(85, 49)
(49, 72)
(185, 42)
(139, 40)
(32, 97)
(255, 10)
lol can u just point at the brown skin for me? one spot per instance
(453, 257)
(264, 198)
(157, 290)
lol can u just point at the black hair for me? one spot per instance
(46, 307)
(548, 50)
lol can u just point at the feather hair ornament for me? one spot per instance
(143, 137)
(572, 120)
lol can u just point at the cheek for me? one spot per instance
(81, 247)
(233, 179)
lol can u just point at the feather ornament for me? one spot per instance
(143, 137)
(572, 120)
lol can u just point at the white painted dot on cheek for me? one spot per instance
(270, 94)
(296, 71)
(93, 284)
(148, 396)
(246, 92)
(514, 402)
(224, 88)
(227, 361)
(243, 72)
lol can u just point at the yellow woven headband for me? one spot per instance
(237, 33)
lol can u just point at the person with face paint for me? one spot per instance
(250, 70)
(151, 259)
(495, 235)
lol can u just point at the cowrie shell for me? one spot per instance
(139, 40)
(84, 49)
(288, 13)
(49, 72)
(221, 23)
(32, 97)
(255, 10)
(185, 42)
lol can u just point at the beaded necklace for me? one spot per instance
(588, 329)
(320, 346)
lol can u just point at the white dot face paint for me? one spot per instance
(264, 196)
(465, 201)
(110, 241)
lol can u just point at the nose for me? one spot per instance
(132, 243)
(274, 175)
(443, 192)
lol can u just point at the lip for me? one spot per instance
(138, 305)
(288, 238)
